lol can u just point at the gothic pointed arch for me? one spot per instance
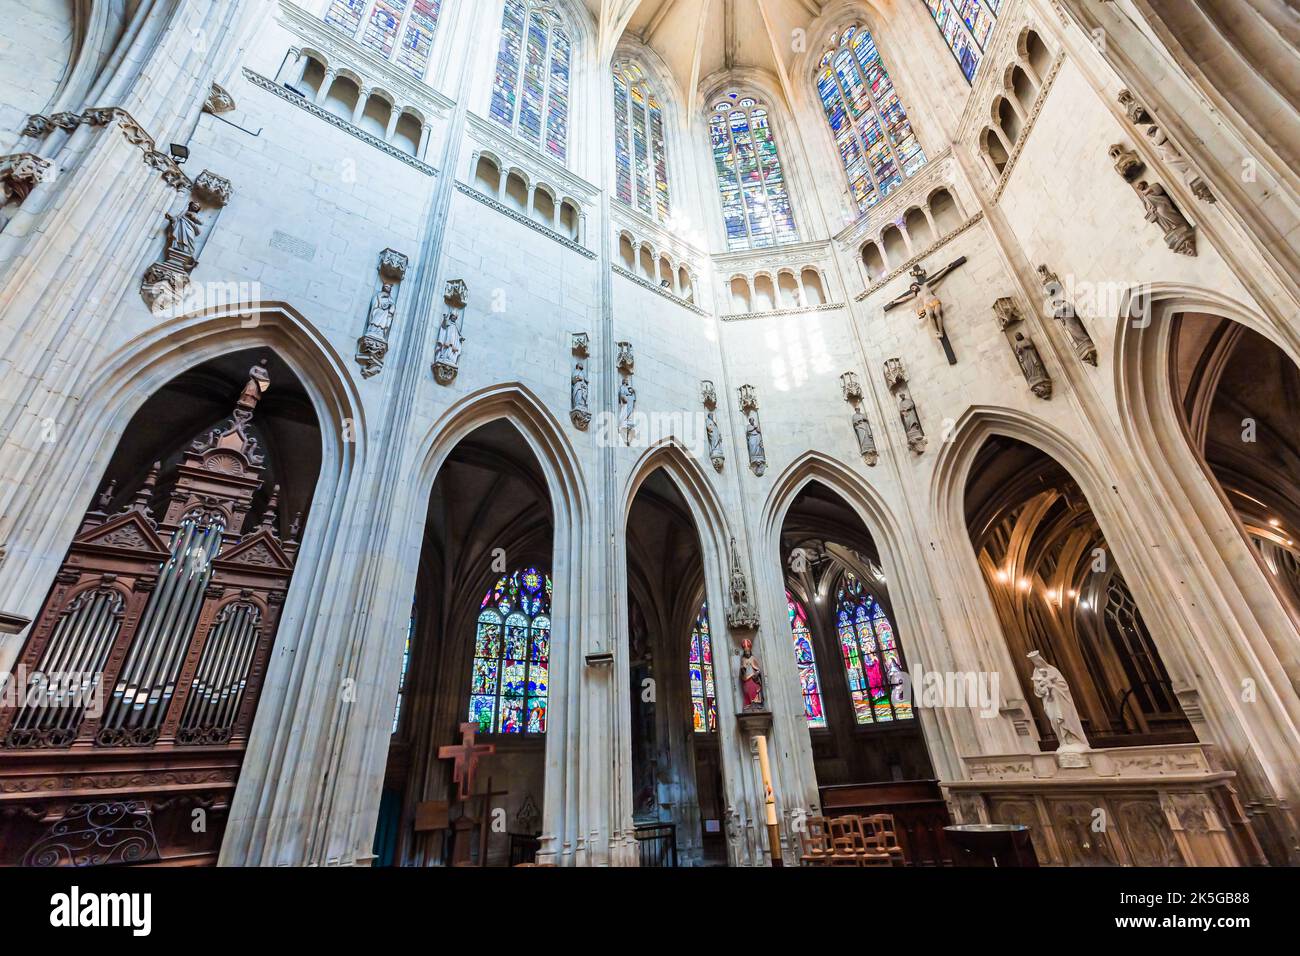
(155, 638)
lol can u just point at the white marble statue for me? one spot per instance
(754, 441)
(626, 408)
(1049, 684)
(447, 349)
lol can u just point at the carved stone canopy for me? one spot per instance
(218, 101)
(741, 615)
(748, 398)
(895, 374)
(708, 395)
(580, 344)
(212, 189)
(626, 357)
(851, 387)
(392, 265)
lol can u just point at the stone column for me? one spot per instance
(326, 82)
(393, 117)
(363, 97)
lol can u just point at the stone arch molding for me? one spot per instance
(910, 590)
(1241, 623)
(347, 831)
(123, 380)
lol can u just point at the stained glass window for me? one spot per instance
(751, 184)
(379, 24)
(530, 92)
(512, 653)
(872, 660)
(704, 699)
(640, 156)
(806, 662)
(872, 134)
(966, 26)
(406, 663)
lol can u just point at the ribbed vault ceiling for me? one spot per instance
(697, 38)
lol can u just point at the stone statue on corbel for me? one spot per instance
(1063, 311)
(1165, 148)
(712, 430)
(166, 282)
(626, 392)
(852, 390)
(896, 382)
(1158, 205)
(579, 381)
(451, 332)
(741, 614)
(372, 346)
(1010, 321)
(753, 430)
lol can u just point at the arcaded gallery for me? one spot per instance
(650, 433)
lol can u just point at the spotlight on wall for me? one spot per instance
(179, 153)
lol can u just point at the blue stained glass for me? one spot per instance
(966, 26)
(346, 15)
(506, 81)
(806, 663)
(751, 185)
(704, 704)
(512, 642)
(530, 91)
(872, 133)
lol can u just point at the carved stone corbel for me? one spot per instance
(372, 347)
(218, 101)
(896, 381)
(579, 381)
(38, 126)
(753, 430)
(1022, 347)
(451, 333)
(19, 175)
(852, 390)
(1063, 312)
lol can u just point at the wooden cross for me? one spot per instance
(466, 756)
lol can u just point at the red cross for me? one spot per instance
(466, 756)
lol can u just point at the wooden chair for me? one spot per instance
(815, 842)
(881, 837)
(849, 845)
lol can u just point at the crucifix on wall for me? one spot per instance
(928, 304)
(466, 757)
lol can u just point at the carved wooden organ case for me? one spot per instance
(138, 683)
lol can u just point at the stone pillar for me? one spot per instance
(359, 110)
(326, 82)
(425, 131)
(393, 118)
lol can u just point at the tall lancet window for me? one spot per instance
(872, 660)
(704, 698)
(872, 133)
(640, 157)
(530, 94)
(751, 183)
(398, 30)
(806, 662)
(966, 26)
(512, 654)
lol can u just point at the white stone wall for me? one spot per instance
(313, 207)
(35, 48)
